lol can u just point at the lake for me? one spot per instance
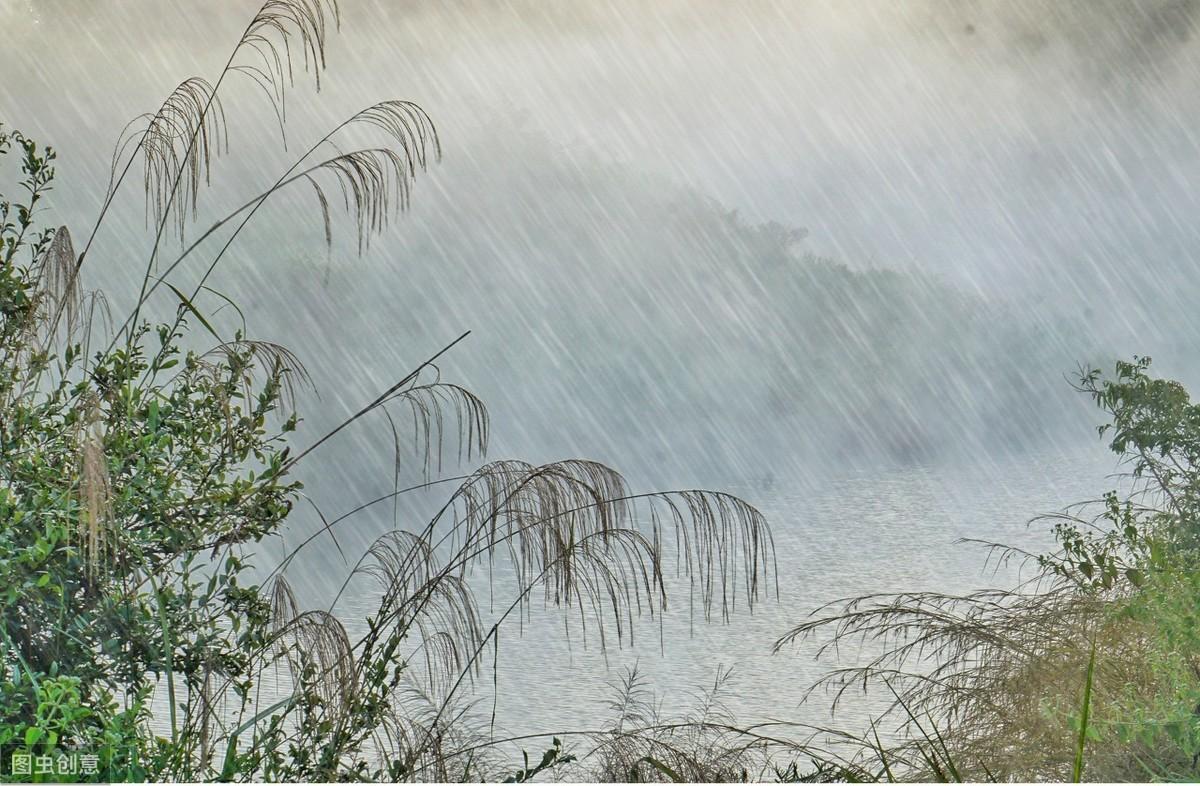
(836, 535)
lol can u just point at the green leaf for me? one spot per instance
(1077, 770)
(183, 299)
(664, 769)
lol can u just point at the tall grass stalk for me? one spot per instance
(1084, 711)
(146, 562)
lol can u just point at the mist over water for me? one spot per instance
(836, 258)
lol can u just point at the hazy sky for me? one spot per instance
(986, 138)
(1039, 149)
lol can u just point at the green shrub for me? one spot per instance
(1091, 669)
(138, 468)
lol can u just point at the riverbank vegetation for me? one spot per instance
(142, 460)
(1087, 671)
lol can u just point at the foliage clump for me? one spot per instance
(142, 460)
(1088, 670)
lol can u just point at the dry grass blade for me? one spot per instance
(243, 356)
(702, 745)
(420, 595)
(284, 607)
(274, 27)
(428, 404)
(321, 641)
(95, 491)
(441, 658)
(189, 129)
(407, 125)
(433, 740)
(96, 305)
(313, 642)
(981, 666)
(573, 527)
(375, 184)
(59, 282)
(570, 528)
(539, 515)
(401, 385)
(178, 145)
(718, 537)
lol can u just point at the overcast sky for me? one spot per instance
(1041, 149)
(979, 137)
